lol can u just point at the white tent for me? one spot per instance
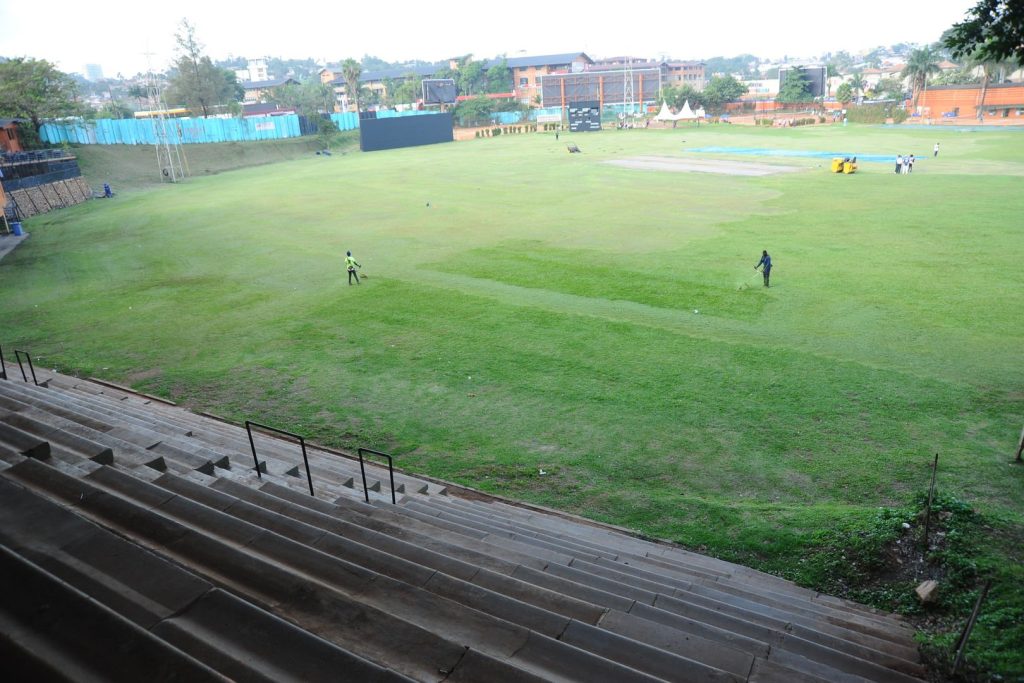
(665, 114)
(685, 114)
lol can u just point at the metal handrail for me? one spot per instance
(17, 354)
(249, 424)
(391, 472)
(3, 366)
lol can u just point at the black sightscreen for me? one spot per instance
(439, 90)
(405, 131)
(817, 79)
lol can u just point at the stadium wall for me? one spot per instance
(191, 131)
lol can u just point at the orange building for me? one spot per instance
(9, 141)
(1003, 103)
(528, 71)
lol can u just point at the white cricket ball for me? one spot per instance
(696, 311)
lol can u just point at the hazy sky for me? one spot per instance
(117, 34)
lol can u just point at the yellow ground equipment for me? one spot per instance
(846, 165)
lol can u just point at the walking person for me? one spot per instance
(899, 163)
(351, 265)
(910, 164)
(765, 261)
(935, 150)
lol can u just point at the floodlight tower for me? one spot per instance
(170, 159)
(627, 89)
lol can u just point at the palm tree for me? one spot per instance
(352, 70)
(921, 64)
(858, 84)
(990, 69)
(830, 72)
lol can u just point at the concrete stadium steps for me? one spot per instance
(434, 588)
(396, 620)
(173, 446)
(233, 440)
(698, 631)
(714, 584)
(93, 574)
(667, 556)
(806, 623)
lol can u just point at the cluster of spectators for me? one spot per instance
(904, 164)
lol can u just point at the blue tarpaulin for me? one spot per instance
(187, 131)
(193, 131)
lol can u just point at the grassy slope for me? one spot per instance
(539, 314)
(129, 168)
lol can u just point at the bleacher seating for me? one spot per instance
(138, 543)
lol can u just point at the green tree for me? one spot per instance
(197, 83)
(34, 89)
(874, 58)
(409, 90)
(372, 63)
(472, 77)
(351, 70)
(307, 98)
(993, 30)
(115, 110)
(843, 61)
(741, 64)
(795, 87)
(474, 112)
(889, 89)
(963, 76)
(921, 64)
(719, 90)
(327, 131)
(139, 93)
(677, 95)
(499, 77)
(857, 84)
(844, 93)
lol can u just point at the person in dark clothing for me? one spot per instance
(765, 261)
(351, 265)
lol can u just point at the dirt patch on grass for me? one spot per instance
(677, 165)
(132, 378)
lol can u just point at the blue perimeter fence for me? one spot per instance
(193, 131)
(199, 131)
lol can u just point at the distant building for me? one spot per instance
(527, 72)
(684, 73)
(761, 89)
(255, 71)
(375, 81)
(9, 141)
(93, 72)
(258, 91)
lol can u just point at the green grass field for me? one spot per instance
(526, 310)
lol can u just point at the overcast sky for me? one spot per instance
(117, 34)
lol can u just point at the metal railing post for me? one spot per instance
(3, 366)
(252, 445)
(391, 472)
(17, 354)
(302, 442)
(961, 644)
(928, 507)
